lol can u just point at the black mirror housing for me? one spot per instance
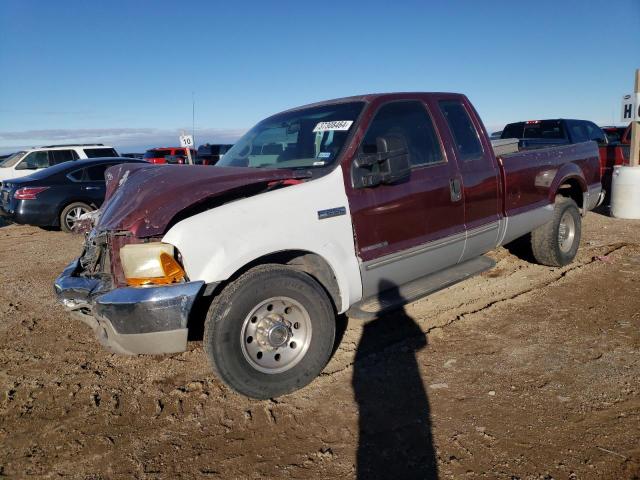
(390, 164)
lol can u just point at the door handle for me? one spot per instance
(91, 188)
(456, 189)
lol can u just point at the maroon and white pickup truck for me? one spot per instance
(357, 206)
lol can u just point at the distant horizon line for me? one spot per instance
(130, 139)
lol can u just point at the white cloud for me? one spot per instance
(124, 139)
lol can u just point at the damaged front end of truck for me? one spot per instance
(129, 286)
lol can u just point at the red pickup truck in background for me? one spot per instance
(356, 205)
(160, 155)
(615, 134)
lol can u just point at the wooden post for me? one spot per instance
(634, 152)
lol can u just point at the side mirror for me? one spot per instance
(386, 163)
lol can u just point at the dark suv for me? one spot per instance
(547, 133)
(210, 154)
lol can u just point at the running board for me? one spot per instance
(392, 299)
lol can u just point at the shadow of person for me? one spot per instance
(394, 424)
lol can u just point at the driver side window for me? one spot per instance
(34, 160)
(404, 124)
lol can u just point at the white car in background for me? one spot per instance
(26, 162)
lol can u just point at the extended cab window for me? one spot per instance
(463, 131)
(409, 124)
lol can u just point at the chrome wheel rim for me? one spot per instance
(276, 335)
(73, 216)
(566, 232)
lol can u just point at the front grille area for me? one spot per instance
(95, 256)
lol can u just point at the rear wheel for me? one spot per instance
(71, 214)
(269, 332)
(556, 242)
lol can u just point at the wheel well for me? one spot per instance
(310, 263)
(571, 189)
(304, 261)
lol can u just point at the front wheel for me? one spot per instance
(269, 332)
(556, 242)
(71, 214)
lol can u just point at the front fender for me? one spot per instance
(217, 243)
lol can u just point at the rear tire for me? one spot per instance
(556, 243)
(269, 332)
(70, 214)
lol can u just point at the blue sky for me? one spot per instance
(123, 72)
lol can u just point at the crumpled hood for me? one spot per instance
(143, 199)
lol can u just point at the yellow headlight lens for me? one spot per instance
(150, 264)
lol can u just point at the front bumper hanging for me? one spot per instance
(150, 320)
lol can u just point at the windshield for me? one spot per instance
(307, 138)
(12, 160)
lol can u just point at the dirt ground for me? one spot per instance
(524, 372)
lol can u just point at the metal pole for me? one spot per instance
(193, 118)
(634, 153)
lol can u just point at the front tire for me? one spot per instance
(269, 332)
(556, 242)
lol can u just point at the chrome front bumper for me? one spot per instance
(128, 320)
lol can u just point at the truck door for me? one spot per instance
(406, 230)
(480, 175)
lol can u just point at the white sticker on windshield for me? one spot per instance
(324, 155)
(335, 125)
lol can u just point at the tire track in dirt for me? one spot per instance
(593, 253)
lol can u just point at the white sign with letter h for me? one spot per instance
(631, 108)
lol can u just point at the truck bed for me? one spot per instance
(527, 176)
